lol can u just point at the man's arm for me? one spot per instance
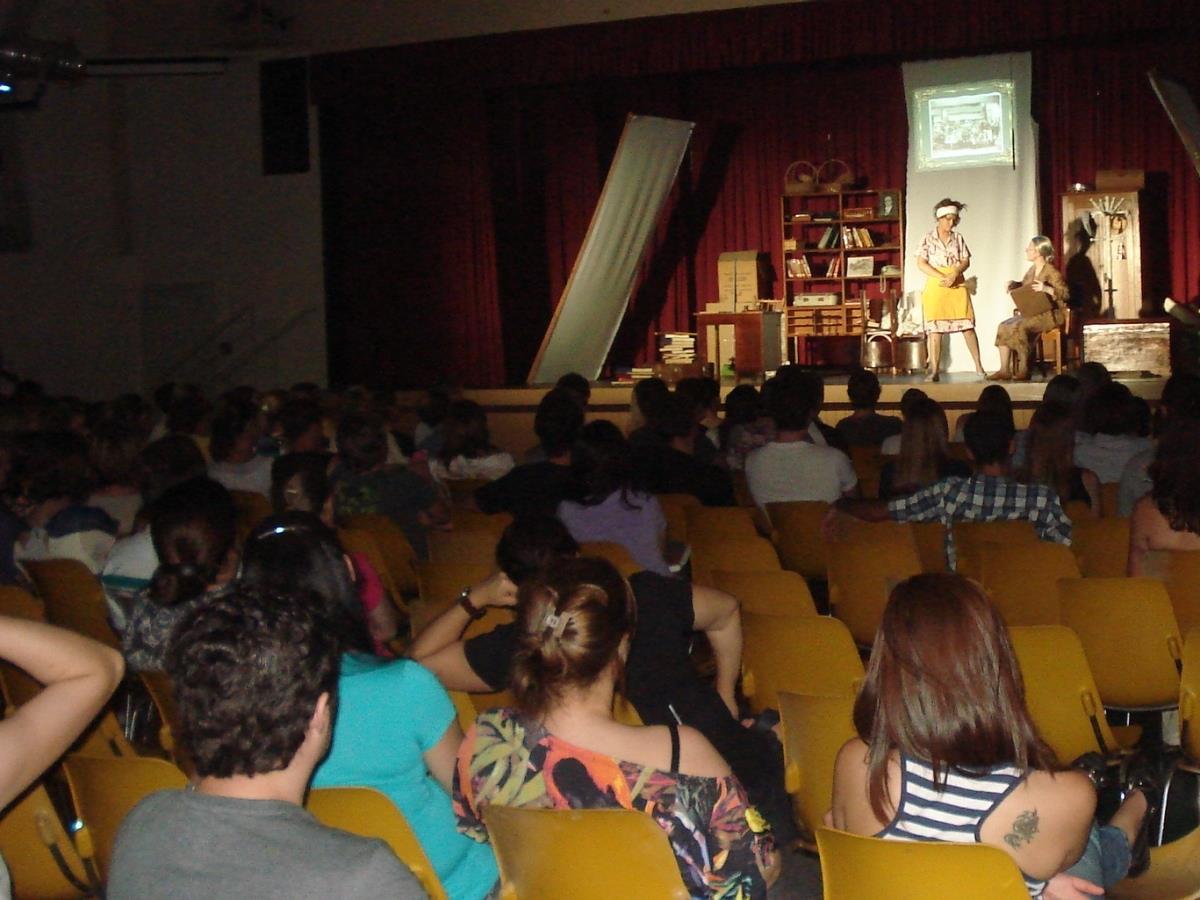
(439, 646)
(716, 614)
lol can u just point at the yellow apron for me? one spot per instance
(946, 304)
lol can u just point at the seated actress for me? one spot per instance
(1016, 335)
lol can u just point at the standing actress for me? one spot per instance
(1016, 335)
(945, 303)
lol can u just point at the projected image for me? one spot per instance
(964, 125)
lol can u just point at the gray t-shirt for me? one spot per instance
(181, 844)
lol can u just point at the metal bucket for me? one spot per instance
(877, 352)
(910, 355)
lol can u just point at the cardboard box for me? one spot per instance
(742, 276)
(1120, 179)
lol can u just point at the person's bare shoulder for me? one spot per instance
(1068, 798)
(699, 757)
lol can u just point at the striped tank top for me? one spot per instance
(955, 812)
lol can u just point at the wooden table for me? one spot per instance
(757, 345)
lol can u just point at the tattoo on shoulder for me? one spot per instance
(1024, 827)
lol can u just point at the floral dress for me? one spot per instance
(720, 842)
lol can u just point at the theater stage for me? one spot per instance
(510, 410)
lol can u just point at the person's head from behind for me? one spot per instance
(648, 396)
(298, 424)
(743, 405)
(531, 543)
(994, 398)
(863, 389)
(924, 435)
(1176, 477)
(188, 415)
(1061, 390)
(1180, 399)
(989, 437)
(557, 422)
(48, 467)
(909, 400)
(300, 481)
(361, 442)
(943, 686)
(114, 453)
(793, 402)
(600, 462)
(297, 551)
(236, 429)
(169, 461)
(676, 422)
(704, 394)
(575, 621)
(193, 526)
(1050, 448)
(1111, 410)
(466, 431)
(577, 386)
(254, 673)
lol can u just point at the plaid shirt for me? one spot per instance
(984, 498)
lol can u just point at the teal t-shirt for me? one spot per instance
(389, 713)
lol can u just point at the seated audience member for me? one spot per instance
(577, 386)
(79, 676)
(161, 465)
(1061, 391)
(864, 427)
(1180, 400)
(428, 435)
(538, 487)
(923, 457)
(367, 484)
(1091, 377)
(603, 504)
(48, 486)
(672, 466)
(948, 751)
(891, 444)
(818, 431)
(993, 398)
(990, 494)
(467, 449)
(300, 484)
(660, 680)
(1112, 419)
(193, 529)
(792, 466)
(395, 728)
(576, 623)
(1168, 518)
(255, 676)
(1050, 458)
(648, 396)
(746, 426)
(114, 455)
(298, 427)
(190, 415)
(233, 448)
(704, 398)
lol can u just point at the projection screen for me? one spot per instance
(602, 280)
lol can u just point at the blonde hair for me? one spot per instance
(922, 444)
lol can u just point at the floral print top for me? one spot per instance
(720, 842)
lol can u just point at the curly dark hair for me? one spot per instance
(248, 669)
(1176, 477)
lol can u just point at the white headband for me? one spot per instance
(947, 211)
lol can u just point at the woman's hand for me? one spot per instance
(496, 590)
(947, 281)
(1039, 285)
(1071, 887)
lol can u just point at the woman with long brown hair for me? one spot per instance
(1168, 518)
(947, 749)
(1050, 458)
(924, 457)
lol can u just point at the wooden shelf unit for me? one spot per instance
(854, 292)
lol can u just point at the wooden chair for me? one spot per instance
(463, 546)
(675, 507)
(615, 553)
(814, 729)
(398, 554)
(865, 562)
(42, 860)
(796, 528)
(799, 654)
(572, 853)
(104, 790)
(738, 554)
(1022, 579)
(969, 536)
(767, 593)
(73, 598)
(370, 813)
(1101, 546)
(1049, 349)
(854, 867)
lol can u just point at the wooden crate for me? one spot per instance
(824, 321)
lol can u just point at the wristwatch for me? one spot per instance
(464, 600)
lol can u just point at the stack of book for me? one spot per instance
(854, 237)
(638, 373)
(677, 347)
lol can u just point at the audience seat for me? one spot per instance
(73, 598)
(369, 813)
(462, 490)
(252, 507)
(854, 867)
(814, 729)
(42, 860)
(1189, 697)
(1059, 689)
(585, 854)
(675, 507)
(20, 604)
(732, 554)
(1022, 579)
(398, 554)
(104, 790)
(615, 553)
(800, 654)
(719, 523)
(1129, 635)
(439, 585)
(796, 530)
(970, 536)
(103, 737)
(868, 466)
(462, 547)
(162, 695)
(865, 562)
(1102, 546)
(931, 546)
(474, 520)
(1180, 571)
(359, 540)
(768, 593)
(1109, 499)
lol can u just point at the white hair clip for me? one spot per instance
(557, 623)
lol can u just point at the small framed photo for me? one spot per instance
(860, 266)
(889, 205)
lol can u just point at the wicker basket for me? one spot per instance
(800, 178)
(834, 175)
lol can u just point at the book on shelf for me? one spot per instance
(835, 268)
(798, 267)
(864, 237)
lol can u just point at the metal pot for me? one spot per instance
(877, 352)
(910, 355)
